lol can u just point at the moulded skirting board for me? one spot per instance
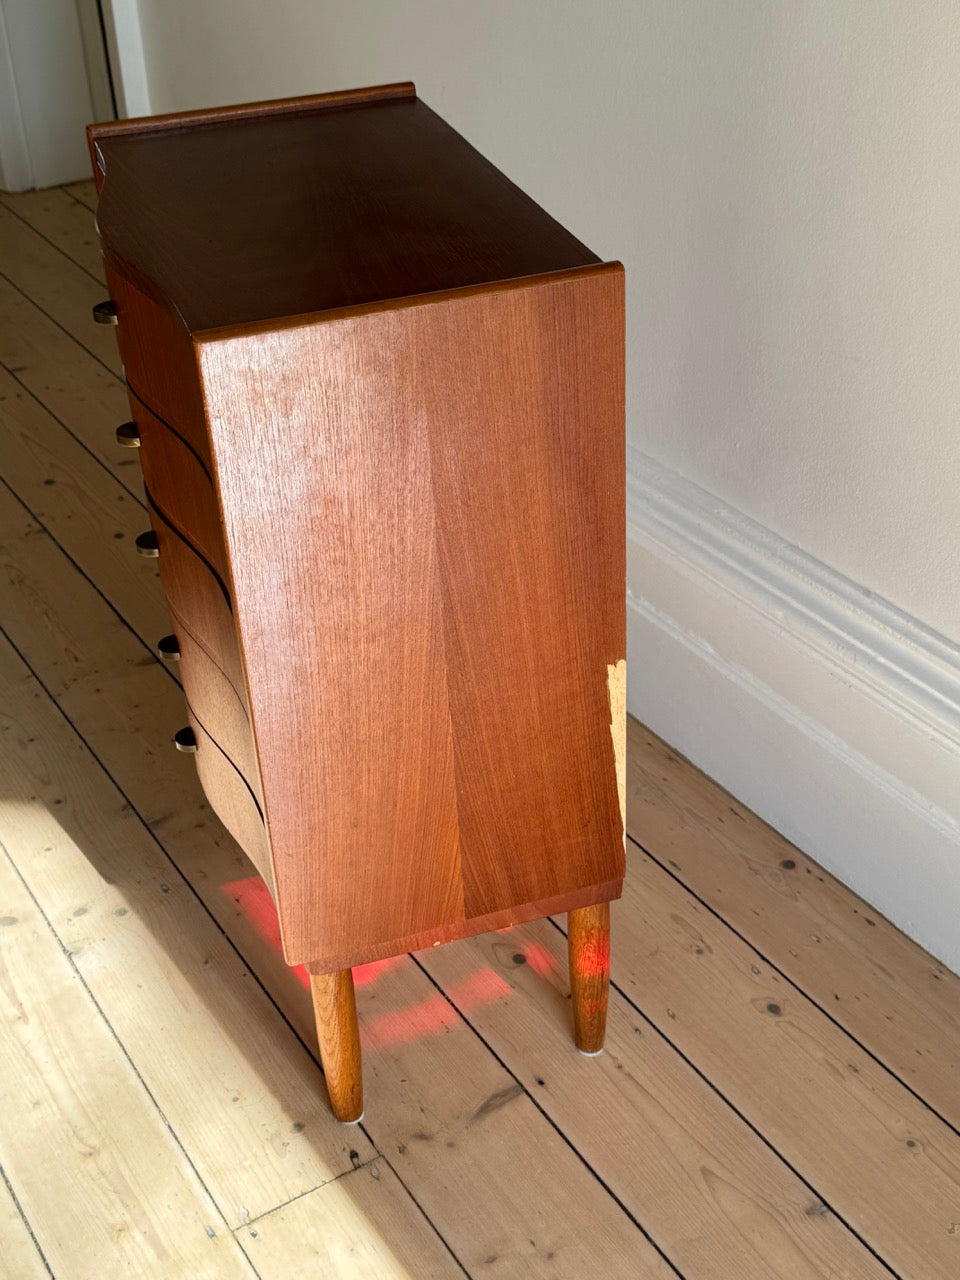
(830, 712)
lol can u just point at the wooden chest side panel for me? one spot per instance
(523, 393)
(424, 516)
(324, 477)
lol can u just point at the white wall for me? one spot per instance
(51, 77)
(782, 182)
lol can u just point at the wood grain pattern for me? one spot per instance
(66, 380)
(126, 1201)
(178, 120)
(588, 940)
(199, 600)
(522, 391)
(343, 638)
(433, 1089)
(231, 797)
(335, 1013)
(421, 496)
(714, 1195)
(64, 222)
(20, 1258)
(27, 263)
(363, 203)
(801, 1080)
(64, 488)
(159, 361)
(451, 687)
(220, 710)
(180, 481)
(710, 1191)
(358, 1228)
(149, 953)
(894, 996)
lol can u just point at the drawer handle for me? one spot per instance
(147, 545)
(168, 648)
(128, 435)
(105, 312)
(185, 740)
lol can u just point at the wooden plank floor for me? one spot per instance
(779, 1093)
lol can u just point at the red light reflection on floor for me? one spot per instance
(434, 1015)
(253, 898)
(429, 1017)
(365, 974)
(540, 960)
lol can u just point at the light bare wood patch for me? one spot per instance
(62, 220)
(19, 1257)
(62, 289)
(358, 1228)
(711, 1192)
(617, 694)
(162, 972)
(433, 1088)
(94, 1165)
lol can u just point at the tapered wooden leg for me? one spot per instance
(588, 944)
(335, 1009)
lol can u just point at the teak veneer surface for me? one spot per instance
(333, 205)
(380, 401)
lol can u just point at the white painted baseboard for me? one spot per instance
(830, 712)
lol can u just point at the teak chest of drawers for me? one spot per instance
(378, 394)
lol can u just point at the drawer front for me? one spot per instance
(179, 483)
(159, 362)
(220, 710)
(231, 799)
(199, 601)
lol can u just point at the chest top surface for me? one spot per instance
(240, 217)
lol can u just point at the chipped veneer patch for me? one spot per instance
(617, 693)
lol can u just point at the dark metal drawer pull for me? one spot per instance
(105, 312)
(147, 545)
(128, 435)
(185, 740)
(168, 648)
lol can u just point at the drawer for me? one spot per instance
(231, 799)
(199, 601)
(159, 361)
(219, 709)
(179, 483)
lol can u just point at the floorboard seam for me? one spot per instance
(553, 1124)
(83, 573)
(355, 1168)
(52, 243)
(426, 1216)
(62, 327)
(65, 188)
(748, 1123)
(68, 955)
(796, 986)
(25, 1220)
(73, 435)
(252, 972)
(216, 923)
